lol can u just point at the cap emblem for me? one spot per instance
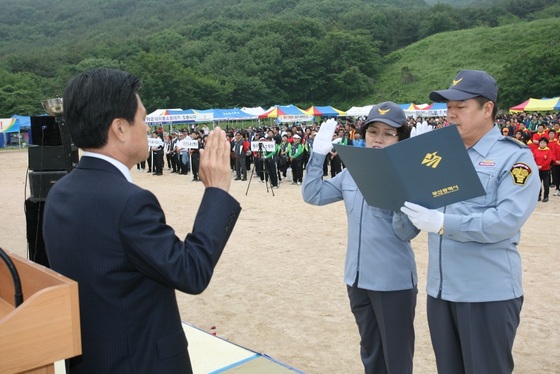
(456, 82)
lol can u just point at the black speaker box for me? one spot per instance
(45, 131)
(36, 244)
(41, 182)
(49, 157)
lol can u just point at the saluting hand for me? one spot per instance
(214, 161)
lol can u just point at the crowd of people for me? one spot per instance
(294, 143)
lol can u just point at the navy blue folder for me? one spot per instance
(432, 170)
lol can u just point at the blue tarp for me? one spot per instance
(232, 115)
(24, 121)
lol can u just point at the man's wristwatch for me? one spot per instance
(440, 232)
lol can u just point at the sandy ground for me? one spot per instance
(278, 287)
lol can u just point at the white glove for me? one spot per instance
(322, 144)
(420, 129)
(425, 219)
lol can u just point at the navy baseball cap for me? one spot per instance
(467, 85)
(388, 113)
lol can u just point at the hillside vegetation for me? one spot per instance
(523, 57)
(226, 53)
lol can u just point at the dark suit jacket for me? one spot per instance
(111, 237)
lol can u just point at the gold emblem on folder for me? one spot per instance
(432, 160)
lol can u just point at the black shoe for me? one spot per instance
(545, 199)
(237, 179)
(243, 179)
(195, 179)
(173, 172)
(539, 199)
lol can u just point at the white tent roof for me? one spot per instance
(358, 111)
(254, 111)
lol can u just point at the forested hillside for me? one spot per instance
(225, 53)
(523, 57)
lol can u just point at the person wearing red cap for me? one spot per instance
(380, 271)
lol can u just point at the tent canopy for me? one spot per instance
(359, 111)
(324, 111)
(233, 114)
(8, 125)
(537, 105)
(286, 113)
(24, 121)
(256, 111)
(171, 116)
(427, 110)
(410, 109)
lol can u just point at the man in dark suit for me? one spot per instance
(111, 236)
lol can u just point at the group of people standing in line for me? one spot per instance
(112, 238)
(543, 143)
(179, 158)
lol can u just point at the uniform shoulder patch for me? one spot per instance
(520, 172)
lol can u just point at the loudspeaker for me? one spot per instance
(45, 131)
(41, 182)
(49, 157)
(36, 244)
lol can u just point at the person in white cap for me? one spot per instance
(474, 271)
(295, 154)
(380, 272)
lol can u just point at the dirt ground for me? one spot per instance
(278, 288)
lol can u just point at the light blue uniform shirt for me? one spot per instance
(476, 259)
(378, 239)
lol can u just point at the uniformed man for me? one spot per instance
(474, 271)
(195, 156)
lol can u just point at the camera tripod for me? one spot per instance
(265, 172)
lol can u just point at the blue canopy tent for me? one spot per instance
(233, 114)
(8, 126)
(25, 126)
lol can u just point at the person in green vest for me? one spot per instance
(295, 154)
(269, 158)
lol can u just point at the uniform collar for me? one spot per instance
(485, 144)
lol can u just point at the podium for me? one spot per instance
(45, 328)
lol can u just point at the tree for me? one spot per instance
(20, 93)
(536, 75)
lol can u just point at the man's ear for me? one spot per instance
(118, 129)
(488, 108)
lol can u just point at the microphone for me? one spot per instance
(18, 295)
(43, 127)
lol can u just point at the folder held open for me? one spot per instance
(432, 170)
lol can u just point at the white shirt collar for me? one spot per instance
(119, 165)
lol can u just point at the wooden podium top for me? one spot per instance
(46, 327)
